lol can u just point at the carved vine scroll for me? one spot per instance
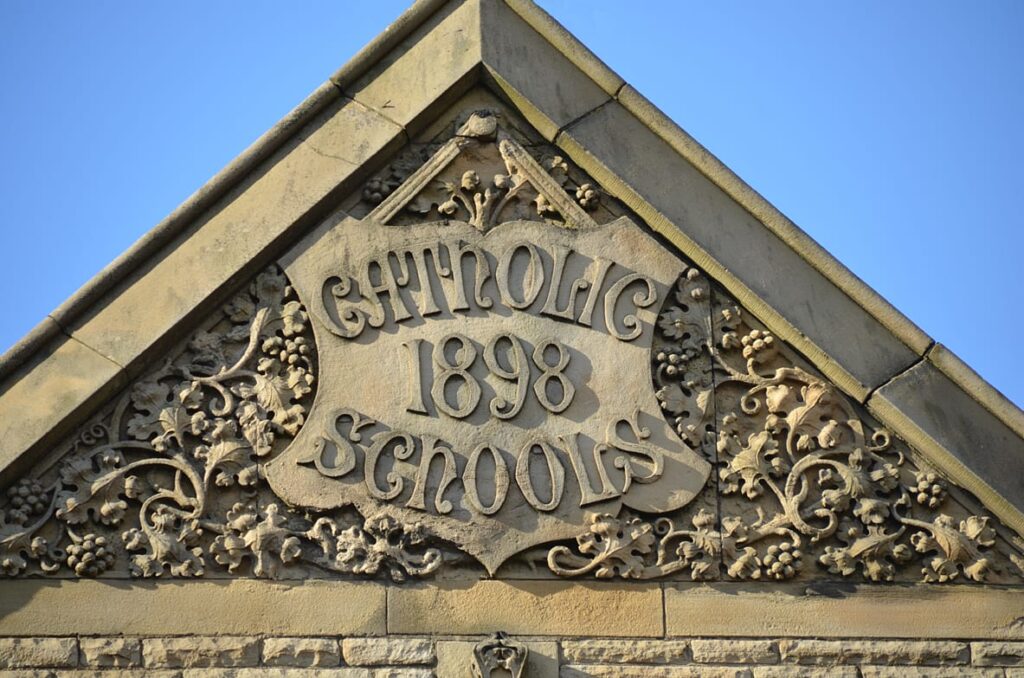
(806, 482)
(496, 367)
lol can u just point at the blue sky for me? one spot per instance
(889, 131)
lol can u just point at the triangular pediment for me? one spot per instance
(511, 322)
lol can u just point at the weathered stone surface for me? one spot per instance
(385, 651)
(121, 653)
(568, 45)
(997, 654)
(302, 652)
(804, 672)
(17, 653)
(636, 671)
(510, 51)
(328, 152)
(200, 652)
(528, 608)
(244, 606)
(455, 659)
(962, 436)
(929, 672)
(430, 67)
(624, 651)
(730, 239)
(880, 652)
(727, 610)
(68, 379)
(403, 672)
(733, 651)
(263, 672)
(120, 673)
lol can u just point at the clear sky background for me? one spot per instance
(890, 131)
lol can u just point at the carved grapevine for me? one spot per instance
(170, 482)
(809, 481)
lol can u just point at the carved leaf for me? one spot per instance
(148, 398)
(255, 427)
(98, 489)
(273, 395)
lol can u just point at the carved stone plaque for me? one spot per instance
(491, 382)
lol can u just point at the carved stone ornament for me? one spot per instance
(480, 367)
(499, 652)
(458, 385)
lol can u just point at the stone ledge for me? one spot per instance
(959, 435)
(865, 611)
(536, 608)
(230, 607)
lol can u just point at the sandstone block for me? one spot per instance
(115, 673)
(929, 672)
(527, 607)
(18, 653)
(142, 318)
(884, 652)
(418, 76)
(200, 652)
(303, 652)
(727, 610)
(624, 651)
(968, 433)
(403, 672)
(387, 651)
(804, 672)
(63, 379)
(637, 671)
(731, 651)
(997, 654)
(549, 102)
(262, 672)
(111, 652)
(677, 199)
(238, 607)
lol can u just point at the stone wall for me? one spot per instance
(420, 657)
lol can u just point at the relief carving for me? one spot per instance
(805, 480)
(499, 653)
(490, 365)
(145, 490)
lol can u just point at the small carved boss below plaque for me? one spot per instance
(489, 380)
